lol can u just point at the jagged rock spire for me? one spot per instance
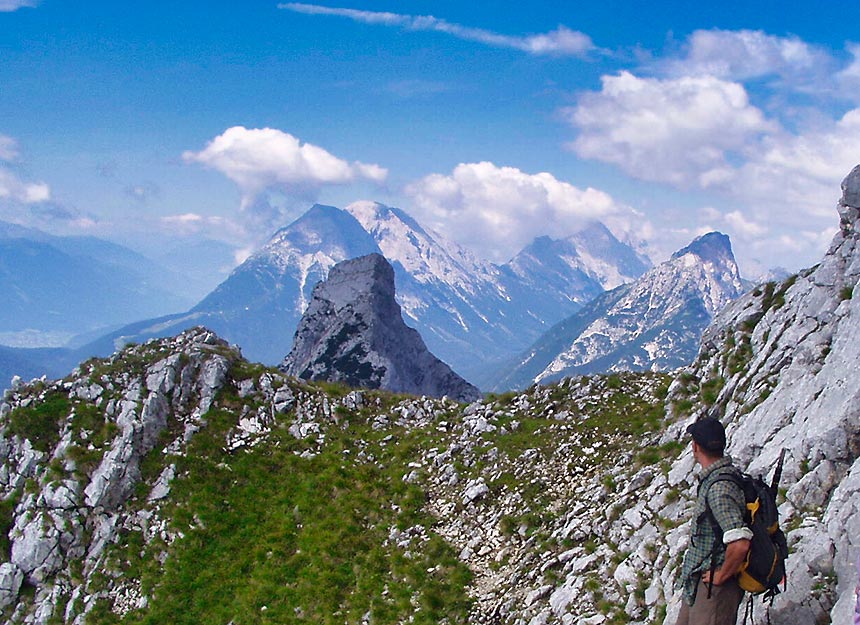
(353, 332)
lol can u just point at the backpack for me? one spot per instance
(764, 568)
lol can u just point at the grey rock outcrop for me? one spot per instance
(74, 519)
(353, 332)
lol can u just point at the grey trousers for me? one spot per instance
(720, 609)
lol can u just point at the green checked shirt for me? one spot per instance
(728, 505)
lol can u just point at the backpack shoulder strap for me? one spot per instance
(726, 474)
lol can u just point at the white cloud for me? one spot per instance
(12, 187)
(193, 223)
(746, 54)
(848, 79)
(744, 227)
(7, 6)
(266, 158)
(561, 41)
(802, 171)
(681, 131)
(496, 211)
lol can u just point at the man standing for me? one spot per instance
(719, 539)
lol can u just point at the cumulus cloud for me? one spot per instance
(266, 158)
(748, 54)
(681, 131)
(7, 6)
(496, 211)
(802, 170)
(561, 41)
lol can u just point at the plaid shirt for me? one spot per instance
(726, 501)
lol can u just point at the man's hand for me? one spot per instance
(736, 553)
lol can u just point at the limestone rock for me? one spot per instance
(353, 332)
(11, 578)
(799, 344)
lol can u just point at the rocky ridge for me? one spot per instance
(353, 332)
(94, 480)
(779, 363)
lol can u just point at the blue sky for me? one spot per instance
(489, 122)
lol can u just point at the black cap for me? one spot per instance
(709, 433)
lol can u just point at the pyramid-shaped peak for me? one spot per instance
(711, 246)
(597, 229)
(353, 332)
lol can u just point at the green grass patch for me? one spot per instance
(271, 537)
(711, 389)
(40, 423)
(7, 510)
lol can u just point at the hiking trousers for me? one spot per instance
(720, 609)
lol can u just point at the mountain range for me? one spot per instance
(544, 314)
(472, 314)
(654, 323)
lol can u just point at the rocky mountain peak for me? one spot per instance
(654, 323)
(353, 332)
(713, 246)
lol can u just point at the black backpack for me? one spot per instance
(764, 568)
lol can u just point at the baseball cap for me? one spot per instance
(709, 433)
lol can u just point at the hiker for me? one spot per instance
(719, 540)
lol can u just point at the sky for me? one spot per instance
(491, 123)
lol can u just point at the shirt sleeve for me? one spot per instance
(728, 505)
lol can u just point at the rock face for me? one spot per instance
(780, 364)
(353, 332)
(86, 457)
(654, 323)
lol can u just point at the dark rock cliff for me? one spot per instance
(353, 332)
